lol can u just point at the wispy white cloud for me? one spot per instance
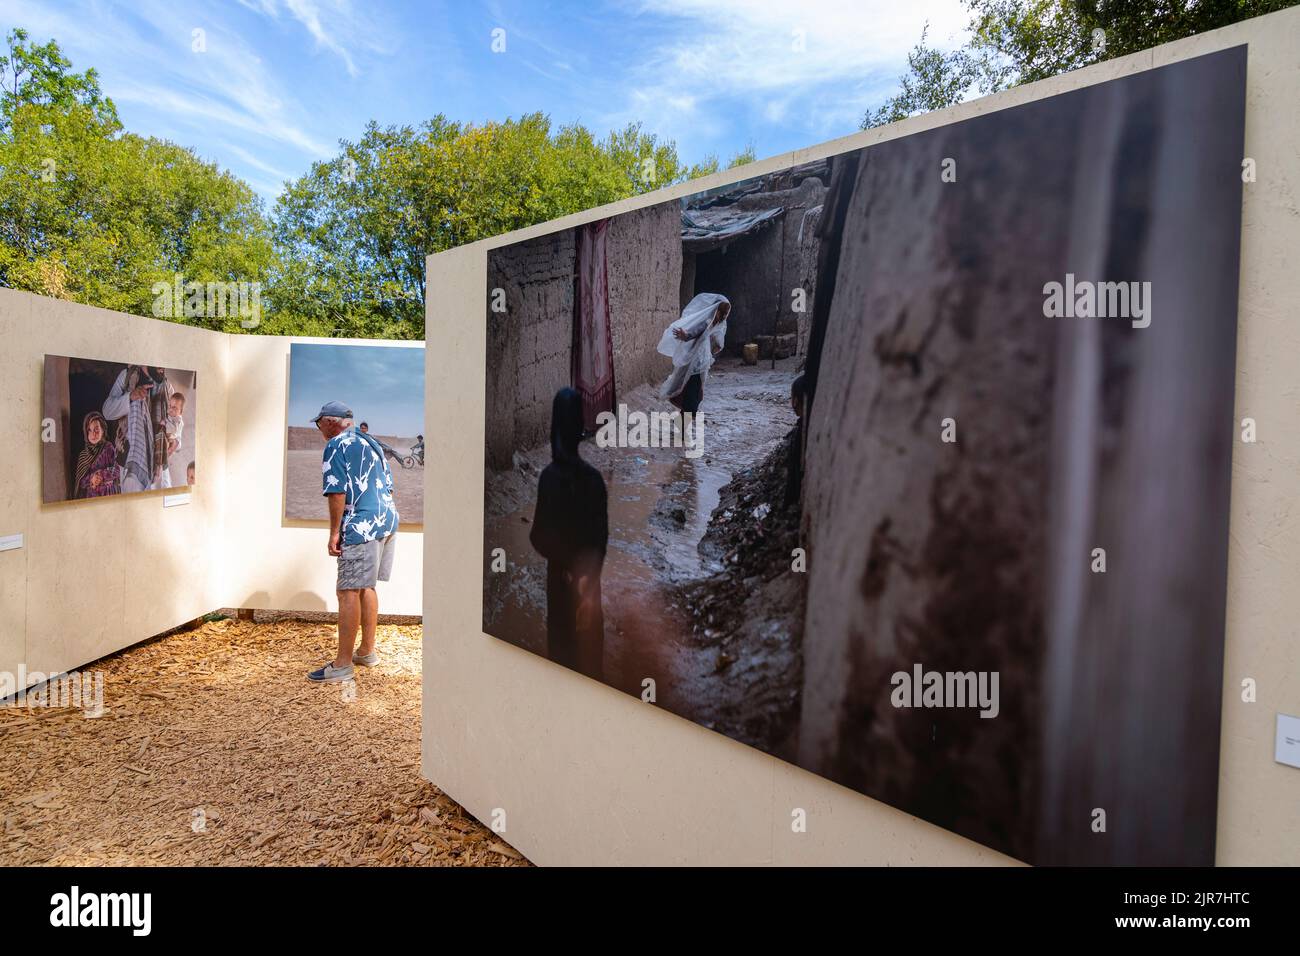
(258, 163)
(223, 118)
(772, 44)
(818, 64)
(308, 14)
(224, 101)
(328, 23)
(267, 7)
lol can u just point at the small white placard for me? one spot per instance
(11, 542)
(1287, 748)
(171, 501)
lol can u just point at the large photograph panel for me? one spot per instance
(910, 466)
(384, 387)
(114, 428)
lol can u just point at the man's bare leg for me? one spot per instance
(369, 618)
(349, 615)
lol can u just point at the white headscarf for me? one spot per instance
(692, 356)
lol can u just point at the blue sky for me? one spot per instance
(384, 385)
(281, 81)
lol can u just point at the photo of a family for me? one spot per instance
(814, 461)
(116, 428)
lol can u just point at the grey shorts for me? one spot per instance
(364, 565)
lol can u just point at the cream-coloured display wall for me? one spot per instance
(580, 773)
(273, 561)
(95, 576)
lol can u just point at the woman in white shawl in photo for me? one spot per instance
(692, 342)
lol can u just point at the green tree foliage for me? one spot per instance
(934, 79)
(94, 215)
(91, 213)
(41, 76)
(354, 232)
(1020, 41)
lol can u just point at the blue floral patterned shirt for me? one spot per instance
(354, 466)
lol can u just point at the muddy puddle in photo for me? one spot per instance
(721, 649)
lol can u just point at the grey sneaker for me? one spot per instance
(366, 660)
(329, 674)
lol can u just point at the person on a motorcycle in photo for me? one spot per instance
(388, 449)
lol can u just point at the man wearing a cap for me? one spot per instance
(363, 533)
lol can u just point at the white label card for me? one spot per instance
(1287, 748)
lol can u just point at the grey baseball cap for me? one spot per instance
(332, 410)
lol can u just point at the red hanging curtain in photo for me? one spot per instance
(593, 337)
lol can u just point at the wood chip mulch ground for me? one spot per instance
(213, 749)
